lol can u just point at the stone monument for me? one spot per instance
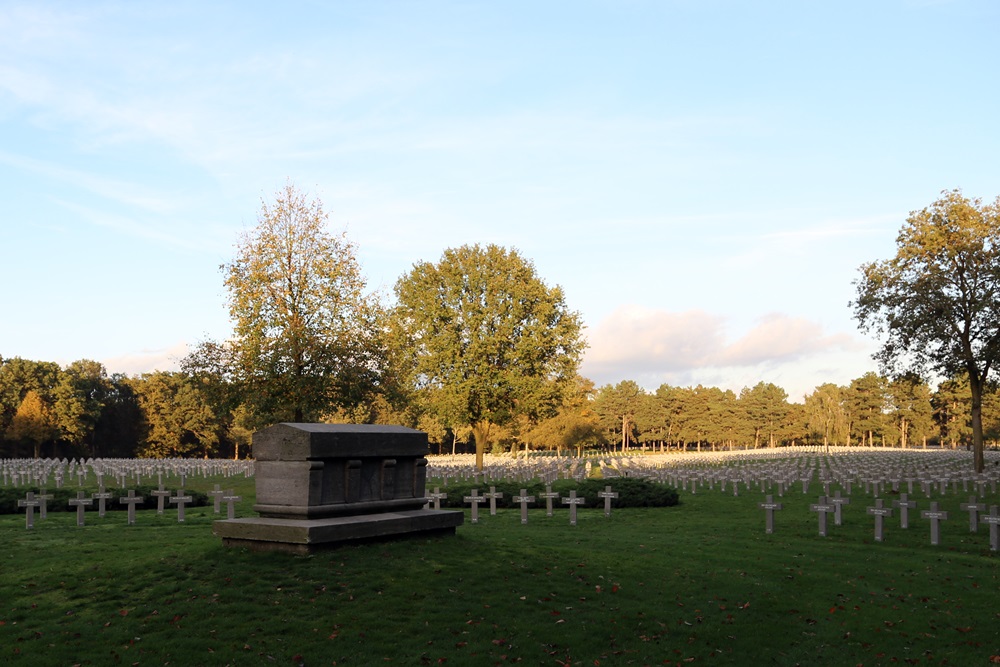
(326, 484)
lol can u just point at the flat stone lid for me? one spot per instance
(300, 442)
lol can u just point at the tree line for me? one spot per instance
(477, 350)
(871, 410)
(81, 411)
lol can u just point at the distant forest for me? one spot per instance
(80, 411)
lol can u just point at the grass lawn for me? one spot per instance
(700, 583)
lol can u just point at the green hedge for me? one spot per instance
(631, 492)
(61, 497)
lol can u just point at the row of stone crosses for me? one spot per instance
(33, 501)
(833, 505)
(523, 499)
(63, 472)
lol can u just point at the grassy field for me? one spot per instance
(700, 583)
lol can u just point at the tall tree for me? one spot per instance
(825, 415)
(951, 411)
(19, 376)
(488, 335)
(179, 421)
(911, 400)
(936, 303)
(617, 406)
(766, 406)
(33, 423)
(867, 402)
(78, 401)
(305, 331)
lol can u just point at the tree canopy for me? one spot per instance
(936, 303)
(304, 328)
(487, 336)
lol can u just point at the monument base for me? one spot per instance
(303, 536)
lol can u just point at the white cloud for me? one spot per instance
(654, 347)
(147, 361)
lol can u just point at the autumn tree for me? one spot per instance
(574, 425)
(488, 336)
(305, 331)
(178, 419)
(33, 423)
(936, 304)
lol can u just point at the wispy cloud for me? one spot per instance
(659, 346)
(147, 361)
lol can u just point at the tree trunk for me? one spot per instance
(481, 432)
(977, 422)
(624, 432)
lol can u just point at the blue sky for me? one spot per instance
(703, 178)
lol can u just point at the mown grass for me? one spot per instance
(699, 583)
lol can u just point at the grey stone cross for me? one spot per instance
(493, 495)
(904, 506)
(973, 508)
(769, 506)
(161, 494)
(43, 508)
(879, 512)
(230, 501)
(475, 499)
(823, 508)
(101, 497)
(573, 501)
(81, 502)
(607, 494)
(216, 494)
(837, 501)
(524, 499)
(993, 519)
(131, 499)
(936, 516)
(180, 499)
(436, 498)
(549, 495)
(29, 503)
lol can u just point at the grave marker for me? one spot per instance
(837, 501)
(131, 499)
(823, 508)
(573, 501)
(879, 512)
(493, 495)
(29, 503)
(81, 502)
(101, 497)
(524, 499)
(43, 508)
(936, 516)
(549, 495)
(475, 499)
(216, 494)
(180, 499)
(161, 494)
(770, 506)
(607, 494)
(993, 519)
(231, 501)
(973, 508)
(436, 497)
(904, 506)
